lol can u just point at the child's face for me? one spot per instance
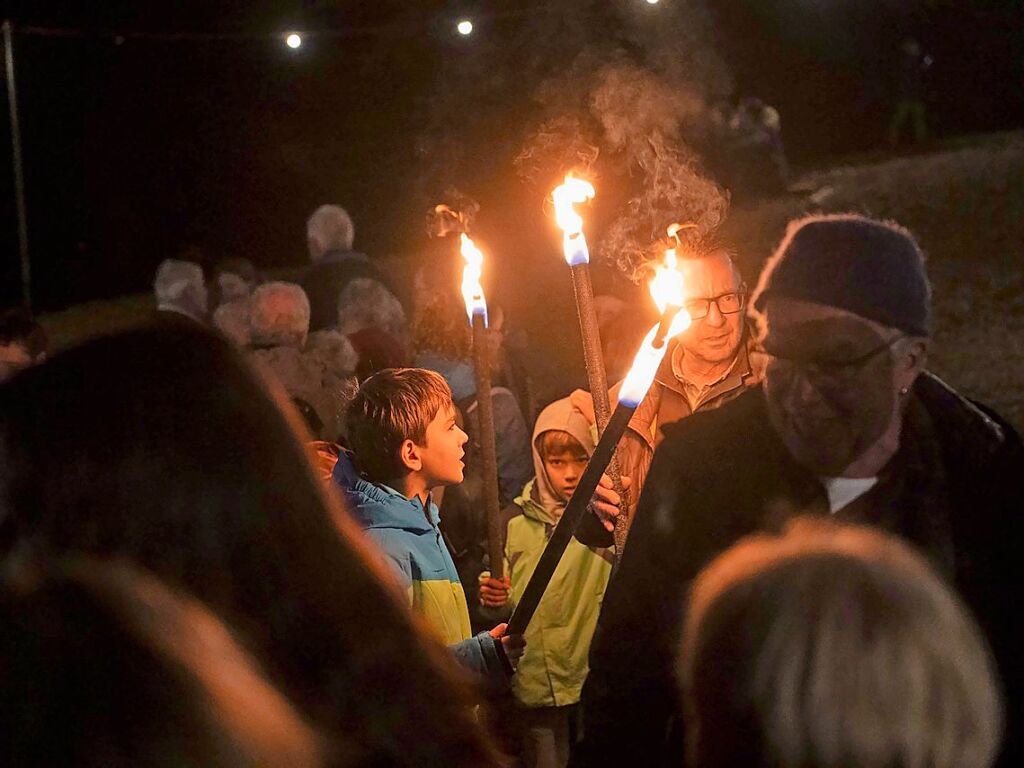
(442, 450)
(564, 470)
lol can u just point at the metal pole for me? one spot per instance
(488, 450)
(19, 180)
(597, 379)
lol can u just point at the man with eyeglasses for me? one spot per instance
(708, 365)
(849, 425)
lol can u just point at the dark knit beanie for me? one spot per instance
(871, 268)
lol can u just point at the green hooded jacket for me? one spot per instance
(552, 671)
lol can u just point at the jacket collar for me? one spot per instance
(533, 509)
(669, 373)
(375, 505)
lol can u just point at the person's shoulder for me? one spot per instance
(730, 424)
(970, 427)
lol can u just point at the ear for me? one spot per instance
(912, 360)
(916, 354)
(409, 455)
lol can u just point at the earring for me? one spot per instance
(904, 390)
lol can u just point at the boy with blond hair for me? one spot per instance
(402, 430)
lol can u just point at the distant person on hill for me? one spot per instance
(181, 290)
(910, 93)
(23, 342)
(756, 132)
(329, 236)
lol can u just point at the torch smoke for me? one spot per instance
(624, 109)
(454, 215)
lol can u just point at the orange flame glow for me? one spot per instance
(667, 290)
(472, 290)
(667, 285)
(572, 192)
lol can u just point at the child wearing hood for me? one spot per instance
(551, 672)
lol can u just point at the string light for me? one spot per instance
(464, 27)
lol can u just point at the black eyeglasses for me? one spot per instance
(727, 303)
(830, 371)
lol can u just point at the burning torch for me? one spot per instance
(667, 290)
(573, 192)
(476, 308)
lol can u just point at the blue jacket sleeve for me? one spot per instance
(481, 655)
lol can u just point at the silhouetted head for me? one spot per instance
(105, 667)
(834, 646)
(160, 446)
(845, 307)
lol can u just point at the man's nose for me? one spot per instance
(463, 437)
(714, 317)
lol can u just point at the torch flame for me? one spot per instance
(572, 192)
(667, 290)
(667, 286)
(472, 290)
(648, 359)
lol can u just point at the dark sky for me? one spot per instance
(134, 151)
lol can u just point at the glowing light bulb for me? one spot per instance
(293, 40)
(465, 27)
(652, 2)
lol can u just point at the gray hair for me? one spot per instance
(279, 315)
(179, 287)
(366, 303)
(834, 645)
(329, 228)
(232, 319)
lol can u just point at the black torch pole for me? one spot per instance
(597, 380)
(571, 516)
(488, 450)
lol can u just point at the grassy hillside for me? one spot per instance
(965, 203)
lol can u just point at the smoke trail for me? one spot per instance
(624, 108)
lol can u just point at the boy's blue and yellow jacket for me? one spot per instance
(409, 538)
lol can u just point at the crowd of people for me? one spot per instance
(251, 531)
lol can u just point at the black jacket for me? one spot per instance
(326, 279)
(955, 489)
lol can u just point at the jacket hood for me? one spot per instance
(562, 416)
(377, 506)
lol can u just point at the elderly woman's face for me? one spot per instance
(832, 385)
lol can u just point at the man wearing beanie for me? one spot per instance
(848, 424)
